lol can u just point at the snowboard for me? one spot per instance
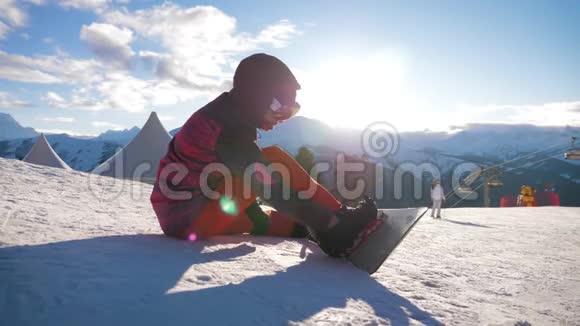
(391, 228)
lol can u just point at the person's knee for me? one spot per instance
(274, 153)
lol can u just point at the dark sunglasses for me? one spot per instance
(285, 111)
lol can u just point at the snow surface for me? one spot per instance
(80, 249)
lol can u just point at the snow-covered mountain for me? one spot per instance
(301, 131)
(121, 137)
(80, 154)
(481, 144)
(534, 155)
(80, 250)
(497, 140)
(11, 129)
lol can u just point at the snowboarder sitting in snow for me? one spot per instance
(437, 196)
(224, 131)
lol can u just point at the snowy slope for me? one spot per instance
(79, 154)
(79, 249)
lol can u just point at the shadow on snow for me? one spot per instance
(466, 223)
(125, 280)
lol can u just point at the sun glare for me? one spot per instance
(345, 92)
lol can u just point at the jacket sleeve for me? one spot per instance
(237, 156)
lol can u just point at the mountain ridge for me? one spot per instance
(11, 129)
(538, 150)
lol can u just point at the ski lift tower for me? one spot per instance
(490, 181)
(574, 152)
(490, 178)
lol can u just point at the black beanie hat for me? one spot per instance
(261, 71)
(255, 80)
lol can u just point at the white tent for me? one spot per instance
(42, 153)
(139, 160)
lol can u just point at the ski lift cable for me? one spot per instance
(496, 175)
(536, 162)
(509, 161)
(524, 156)
(515, 168)
(513, 160)
(516, 159)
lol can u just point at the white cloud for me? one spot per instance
(25, 36)
(124, 92)
(4, 29)
(197, 39)
(26, 75)
(47, 69)
(279, 34)
(128, 93)
(8, 101)
(199, 48)
(165, 118)
(105, 124)
(200, 41)
(64, 131)
(52, 96)
(457, 118)
(80, 99)
(95, 5)
(109, 43)
(12, 13)
(56, 119)
(575, 107)
(120, 91)
(547, 114)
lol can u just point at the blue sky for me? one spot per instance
(85, 66)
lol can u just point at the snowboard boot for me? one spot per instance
(341, 238)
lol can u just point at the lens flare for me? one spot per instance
(228, 206)
(192, 237)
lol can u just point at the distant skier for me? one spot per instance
(224, 131)
(437, 197)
